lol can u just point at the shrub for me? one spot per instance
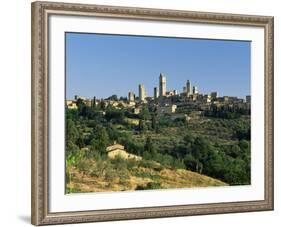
(149, 186)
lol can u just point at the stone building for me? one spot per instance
(71, 104)
(167, 109)
(117, 150)
(88, 102)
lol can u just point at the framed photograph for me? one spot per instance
(149, 113)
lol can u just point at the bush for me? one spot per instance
(110, 173)
(149, 186)
(150, 164)
(85, 165)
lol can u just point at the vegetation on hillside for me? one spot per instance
(217, 144)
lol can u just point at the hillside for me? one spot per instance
(140, 178)
(214, 143)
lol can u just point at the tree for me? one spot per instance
(102, 105)
(216, 166)
(117, 116)
(190, 162)
(200, 148)
(144, 114)
(80, 104)
(244, 145)
(125, 99)
(142, 125)
(113, 98)
(235, 151)
(100, 139)
(112, 132)
(72, 150)
(72, 133)
(188, 138)
(72, 114)
(87, 112)
(149, 145)
(80, 141)
(94, 103)
(243, 133)
(154, 123)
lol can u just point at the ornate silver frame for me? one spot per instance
(40, 13)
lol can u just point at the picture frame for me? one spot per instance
(41, 96)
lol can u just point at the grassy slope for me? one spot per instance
(141, 176)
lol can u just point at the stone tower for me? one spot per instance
(141, 93)
(162, 85)
(188, 88)
(155, 93)
(131, 96)
(195, 90)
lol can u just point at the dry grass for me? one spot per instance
(140, 177)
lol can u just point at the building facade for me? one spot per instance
(167, 109)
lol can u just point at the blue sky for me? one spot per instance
(102, 65)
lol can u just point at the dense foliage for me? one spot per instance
(216, 144)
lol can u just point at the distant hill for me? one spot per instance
(141, 178)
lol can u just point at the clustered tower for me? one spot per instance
(141, 92)
(131, 96)
(161, 92)
(155, 93)
(195, 90)
(188, 88)
(162, 85)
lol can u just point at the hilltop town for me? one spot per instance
(168, 102)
